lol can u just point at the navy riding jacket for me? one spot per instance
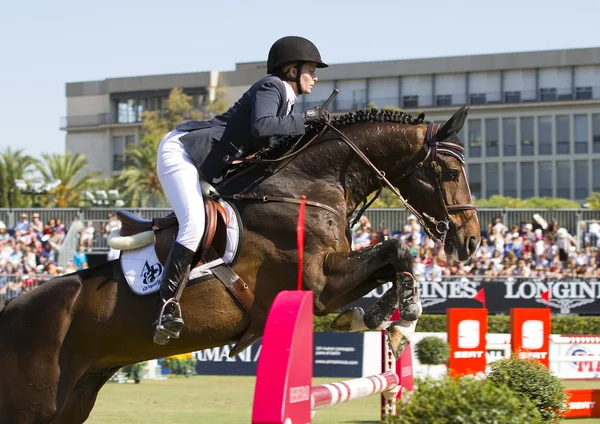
(257, 117)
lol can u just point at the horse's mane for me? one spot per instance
(3, 304)
(341, 121)
(285, 144)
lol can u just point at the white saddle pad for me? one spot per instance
(143, 271)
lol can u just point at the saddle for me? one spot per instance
(211, 249)
(165, 230)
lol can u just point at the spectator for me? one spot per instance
(23, 224)
(36, 224)
(87, 235)
(80, 259)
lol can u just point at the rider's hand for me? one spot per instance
(315, 114)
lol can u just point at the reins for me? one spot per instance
(442, 227)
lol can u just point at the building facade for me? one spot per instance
(533, 127)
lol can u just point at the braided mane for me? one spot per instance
(340, 121)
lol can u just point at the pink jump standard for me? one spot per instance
(284, 392)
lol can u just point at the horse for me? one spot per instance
(60, 343)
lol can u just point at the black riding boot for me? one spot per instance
(178, 263)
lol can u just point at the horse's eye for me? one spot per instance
(451, 175)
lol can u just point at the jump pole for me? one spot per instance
(283, 392)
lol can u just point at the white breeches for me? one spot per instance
(179, 178)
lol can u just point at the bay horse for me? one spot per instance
(60, 343)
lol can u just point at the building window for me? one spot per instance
(527, 136)
(510, 179)
(491, 137)
(527, 180)
(492, 179)
(581, 133)
(359, 99)
(563, 179)
(443, 100)
(596, 132)
(119, 149)
(478, 99)
(563, 134)
(583, 93)
(410, 101)
(582, 188)
(545, 135)
(475, 138)
(509, 136)
(512, 97)
(545, 179)
(596, 175)
(547, 94)
(129, 111)
(474, 176)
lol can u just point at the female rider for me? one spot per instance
(196, 149)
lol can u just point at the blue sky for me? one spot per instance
(45, 44)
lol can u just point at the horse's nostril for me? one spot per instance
(472, 245)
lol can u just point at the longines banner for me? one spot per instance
(566, 296)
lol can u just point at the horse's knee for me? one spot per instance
(401, 255)
(40, 413)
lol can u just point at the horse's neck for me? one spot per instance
(332, 166)
(389, 146)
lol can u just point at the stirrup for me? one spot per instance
(165, 331)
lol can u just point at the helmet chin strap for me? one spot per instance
(298, 75)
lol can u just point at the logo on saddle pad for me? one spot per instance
(150, 273)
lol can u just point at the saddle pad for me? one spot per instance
(143, 271)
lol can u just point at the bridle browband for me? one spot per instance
(433, 147)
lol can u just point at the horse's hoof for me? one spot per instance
(161, 338)
(350, 320)
(411, 312)
(398, 339)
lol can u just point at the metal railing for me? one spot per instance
(392, 219)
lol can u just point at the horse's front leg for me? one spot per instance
(352, 275)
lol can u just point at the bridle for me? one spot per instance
(433, 148)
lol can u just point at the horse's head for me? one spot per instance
(436, 186)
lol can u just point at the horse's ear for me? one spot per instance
(454, 124)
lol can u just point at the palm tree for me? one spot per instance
(142, 187)
(69, 169)
(14, 165)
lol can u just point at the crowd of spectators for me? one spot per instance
(535, 249)
(29, 251)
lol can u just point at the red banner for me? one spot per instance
(466, 329)
(530, 333)
(583, 403)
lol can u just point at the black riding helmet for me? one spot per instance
(293, 49)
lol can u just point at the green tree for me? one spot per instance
(594, 200)
(220, 104)
(14, 165)
(69, 169)
(142, 187)
(432, 350)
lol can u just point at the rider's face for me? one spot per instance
(308, 77)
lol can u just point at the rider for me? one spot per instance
(197, 149)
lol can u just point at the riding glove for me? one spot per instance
(315, 115)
